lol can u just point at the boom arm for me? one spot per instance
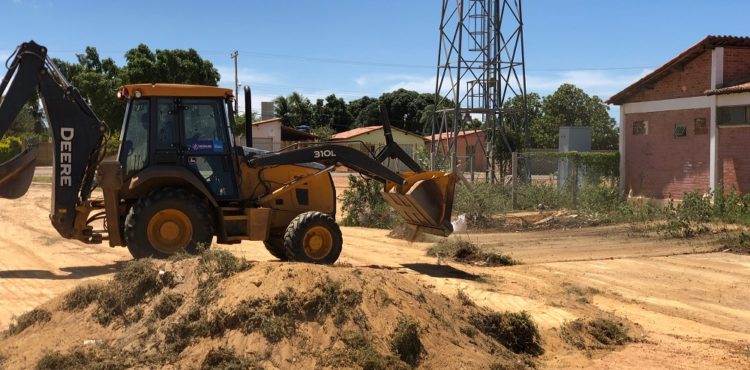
(78, 136)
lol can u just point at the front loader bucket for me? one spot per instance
(16, 174)
(425, 200)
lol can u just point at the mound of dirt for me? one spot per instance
(217, 311)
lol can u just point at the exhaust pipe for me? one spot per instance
(248, 118)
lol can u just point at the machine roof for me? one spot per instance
(177, 90)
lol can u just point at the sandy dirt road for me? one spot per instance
(691, 304)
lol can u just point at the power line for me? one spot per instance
(340, 61)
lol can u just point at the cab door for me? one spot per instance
(205, 144)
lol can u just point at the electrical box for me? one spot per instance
(572, 139)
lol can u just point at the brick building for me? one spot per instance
(686, 125)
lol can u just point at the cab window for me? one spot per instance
(134, 146)
(203, 126)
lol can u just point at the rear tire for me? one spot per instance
(275, 246)
(313, 237)
(166, 222)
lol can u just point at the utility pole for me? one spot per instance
(236, 84)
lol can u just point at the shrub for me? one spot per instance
(515, 330)
(226, 359)
(9, 147)
(363, 205)
(597, 333)
(465, 251)
(167, 305)
(90, 358)
(81, 297)
(129, 287)
(689, 217)
(37, 315)
(739, 243)
(481, 202)
(405, 341)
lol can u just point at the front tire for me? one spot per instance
(313, 237)
(275, 246)
(166, 222)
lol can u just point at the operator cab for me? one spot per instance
(180, 125)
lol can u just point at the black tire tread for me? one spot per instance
(295, 233)
(139, 248)
(275, 246)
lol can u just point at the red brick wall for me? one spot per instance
(734, 161)
(658, 164)
(480, 161)
(693, 80)
(736, 65)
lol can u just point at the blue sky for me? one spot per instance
(367, 47)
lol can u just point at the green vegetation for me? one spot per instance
(167, 305)
(363, 205)
(226, 359)
(592, 334)
(737, 243)
(275, 318)
(9, 147)
(465, 251)
(515, 330)
(137, 281)
(405, 341)
(100, 358)
(214, 266)
(81, 297)
(359, 351)
(21, 323)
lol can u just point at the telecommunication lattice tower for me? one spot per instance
(480, 66)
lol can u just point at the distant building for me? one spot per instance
(686, 125)
(469, 150)
(272, 135)
(371, 138)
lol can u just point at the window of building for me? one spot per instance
(735, 115)
(700, 127)
(640, 127)
(680, 130)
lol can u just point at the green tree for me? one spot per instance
(571, 106)
(98, 80)
(294, 109)
(168, 66)
(332, 112)
(365, 111)
(405, 108)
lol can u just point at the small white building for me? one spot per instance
(272, 135)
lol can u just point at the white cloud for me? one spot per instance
(379, 84)
(603, 83)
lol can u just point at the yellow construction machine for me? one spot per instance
(179, 179)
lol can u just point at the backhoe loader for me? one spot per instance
(179, 179)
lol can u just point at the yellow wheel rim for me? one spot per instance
(318, 242)
(170, 231)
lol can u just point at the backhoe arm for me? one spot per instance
(78, 137)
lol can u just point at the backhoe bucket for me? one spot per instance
(16, 174)
(425, 200)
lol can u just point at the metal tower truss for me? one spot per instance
(480, 65)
